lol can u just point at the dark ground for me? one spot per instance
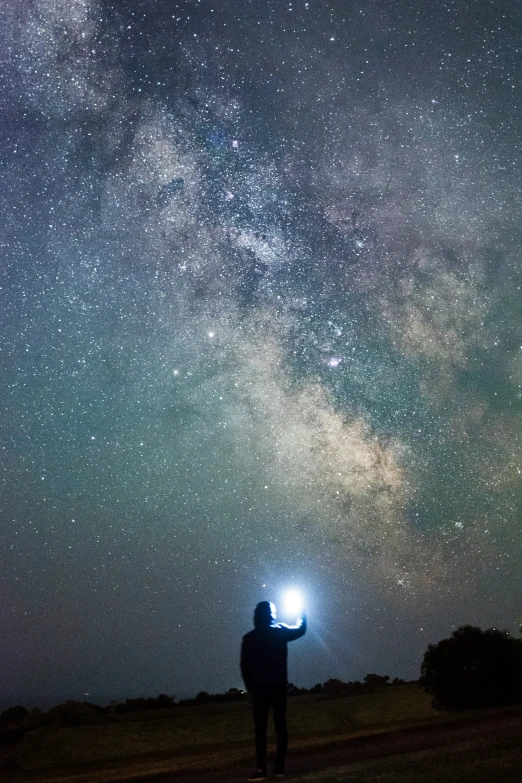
(482, 732)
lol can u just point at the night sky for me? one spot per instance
(261, 328)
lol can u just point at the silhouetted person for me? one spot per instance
(264, 669)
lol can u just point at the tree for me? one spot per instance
(73, 713)
(473, 669)
(333, 685)
(13, 716)
(163, 701)
(376, 680)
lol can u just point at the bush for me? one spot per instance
(13, 717)
(73, 713)
(376, 680)
(473, 669)
(333, 685)
(397, 681)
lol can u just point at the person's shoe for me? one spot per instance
(279, 773)
(259, 774)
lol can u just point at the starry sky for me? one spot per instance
(260, 328)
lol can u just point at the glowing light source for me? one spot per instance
(292, 602)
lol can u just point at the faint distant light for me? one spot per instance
(93, 437)
(228, 195)
(332, 38)
(235, 143)
(175, 372)
(333, 362)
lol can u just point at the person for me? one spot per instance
(264, 655)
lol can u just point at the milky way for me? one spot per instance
(261, 283)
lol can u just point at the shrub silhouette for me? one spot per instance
(333, 685)
(13, 717)
(376, 680)
(74, 713)
(473, 669)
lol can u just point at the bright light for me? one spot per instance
(292, 603)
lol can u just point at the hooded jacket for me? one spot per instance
(264, 655)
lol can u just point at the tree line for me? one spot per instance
(470, 670)
(78, 712)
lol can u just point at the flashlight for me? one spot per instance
(293, 603)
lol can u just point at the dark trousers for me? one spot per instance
(262, 700)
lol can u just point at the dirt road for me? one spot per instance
(485, 729)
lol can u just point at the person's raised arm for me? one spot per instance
(295, 631)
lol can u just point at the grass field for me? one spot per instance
(196, 730)
(217, 735)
